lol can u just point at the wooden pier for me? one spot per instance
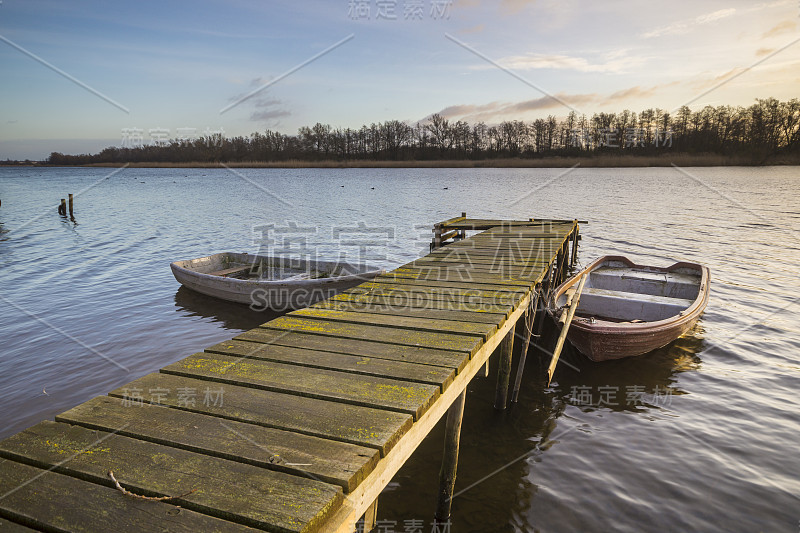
(299, 424)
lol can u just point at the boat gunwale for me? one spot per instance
(366, 275)
(601, 327)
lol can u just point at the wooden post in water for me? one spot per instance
(447, 475)
(437, 237)
(370, 517)
(558, 267)
(462, 234)
(62, 209)
(575, 239)
(530, 318)
(504, 370)
(70, 206)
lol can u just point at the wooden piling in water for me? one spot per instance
(70, 206)
(447, 474)
(62, 209)
(370, 517)
(529, 319)
(504, 370)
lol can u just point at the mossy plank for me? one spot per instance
(532, 272)
(470, 285)
(371, 348)
(229, 490)
(12, 527)
(407, 275)
(409, 300)
(501, 251)
(369, 366)
(437, 314)
(504, 294)
(473, 296)
(476, 329)
(56, 502)
(368, 391)
(541, 259)
(331, 461)
(387, 335)
(467, 274)
(365, 426)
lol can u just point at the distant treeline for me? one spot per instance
(764, 129)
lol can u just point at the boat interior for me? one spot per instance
(616, 292)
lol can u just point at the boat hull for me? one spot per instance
(602, 340)
(278, 294)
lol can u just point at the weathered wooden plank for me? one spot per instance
(411, 300)
(532, 273)
(400, 279)
(331, 461)
(378, 350)
(459, 264)
(13, 527)
(446, 274)
(365, 426)
(503, 292)
(475, 329)
(486, 260)
(435, 375)
(233, 491)
(501, 298)
(438, 314)
(55, 502)
(387, 335)
(368, 391)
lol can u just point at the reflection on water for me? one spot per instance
(631, 383)
(233, 316)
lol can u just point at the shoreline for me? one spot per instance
(598, 161)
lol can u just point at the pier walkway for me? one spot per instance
(299, 424)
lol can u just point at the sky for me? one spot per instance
(78, 76)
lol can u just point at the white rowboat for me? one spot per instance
(279, 283)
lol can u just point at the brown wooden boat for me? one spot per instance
(627, 309)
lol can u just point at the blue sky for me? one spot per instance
(176, 65)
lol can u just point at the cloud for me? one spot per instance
(498, 111)
(631, 93)
(615, 62)
(267, 109)
(783, 27)
(685, 26)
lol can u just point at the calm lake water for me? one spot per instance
(702, 435)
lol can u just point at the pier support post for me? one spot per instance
(62, 209)
(447, 475)
(70, 206)
(575, 239)
(530, 318)
(437, 237)
(370, 517)
(504, 370)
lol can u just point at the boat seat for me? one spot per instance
(629, 306)
(229, 271)
(670, 284)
